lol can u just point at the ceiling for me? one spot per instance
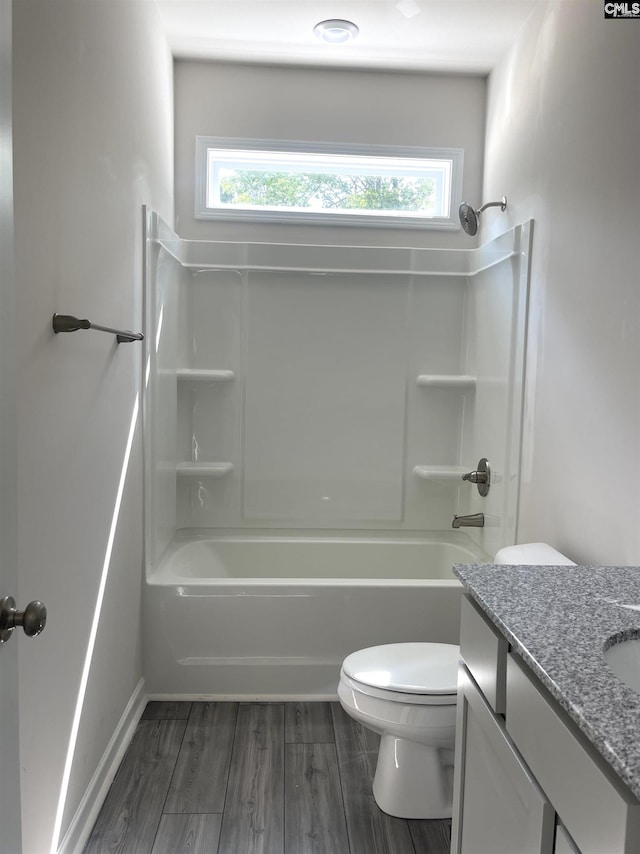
(455, 36)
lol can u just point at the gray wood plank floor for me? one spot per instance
(253, 778)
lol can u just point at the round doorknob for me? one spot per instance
(33, 619)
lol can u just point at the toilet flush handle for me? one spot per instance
(481, 477)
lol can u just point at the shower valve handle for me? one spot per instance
(481, 477)
(475, 476)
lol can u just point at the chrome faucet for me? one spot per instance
(475, 520)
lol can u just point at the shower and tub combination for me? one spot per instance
(309, 414)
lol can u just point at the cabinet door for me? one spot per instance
(597, 809)
(564, 843)
(498, 807)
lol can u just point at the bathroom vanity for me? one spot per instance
(548, 736)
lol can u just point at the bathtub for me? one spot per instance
(272, 616)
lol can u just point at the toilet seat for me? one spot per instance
(396, 696)
(415, 673)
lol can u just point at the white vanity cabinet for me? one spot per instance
(525, 778)
(498, 807)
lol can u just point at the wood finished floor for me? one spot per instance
(253, 778)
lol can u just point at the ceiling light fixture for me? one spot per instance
(336, 31)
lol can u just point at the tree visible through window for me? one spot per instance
(327, 192)
(325, 183)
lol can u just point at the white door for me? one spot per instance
(10, 838)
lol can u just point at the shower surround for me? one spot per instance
(309, 412)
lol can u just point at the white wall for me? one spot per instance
(324, 106)
(93, 142)
(563, 134)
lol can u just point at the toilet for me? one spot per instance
(406, 692)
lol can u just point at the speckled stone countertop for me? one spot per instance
(559, 620)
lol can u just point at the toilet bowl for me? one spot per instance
(406, 692)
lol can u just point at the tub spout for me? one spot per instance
(475, 520)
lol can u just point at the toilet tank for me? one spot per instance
(536, 554)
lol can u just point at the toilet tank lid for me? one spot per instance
(536, 554)
(409, 668)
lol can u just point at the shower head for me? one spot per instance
(469, 217)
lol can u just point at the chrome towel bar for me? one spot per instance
(69, 323)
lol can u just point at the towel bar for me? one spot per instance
(69, 323)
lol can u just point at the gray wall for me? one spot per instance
(324, 106)
(563, 134)
(93, 142)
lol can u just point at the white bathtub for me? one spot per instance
(272, 617)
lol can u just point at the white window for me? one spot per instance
(320, 183)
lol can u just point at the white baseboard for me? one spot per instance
(245, 698)
(85, 816)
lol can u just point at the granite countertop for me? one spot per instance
(559, 619)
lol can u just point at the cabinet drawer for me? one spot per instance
(484, 651)
(598, 811)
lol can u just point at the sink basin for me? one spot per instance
(624, 659)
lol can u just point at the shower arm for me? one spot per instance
(501, 204)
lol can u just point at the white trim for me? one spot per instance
(450, 223)
(244, 698)
(85, 816)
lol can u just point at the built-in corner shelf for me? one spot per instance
(460, 381)
(198, 469)
(204, 375)
(440, 472)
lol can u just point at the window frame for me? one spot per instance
(397, 220)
